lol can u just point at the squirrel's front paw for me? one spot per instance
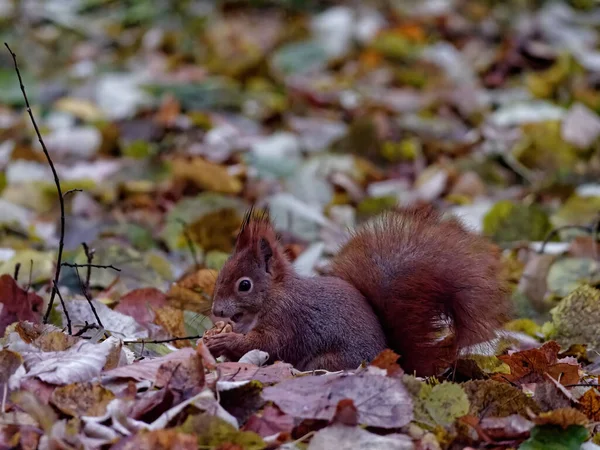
(225, 344)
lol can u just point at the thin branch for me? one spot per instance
(17, 268)
(61, 199)
(89, 254)
(161, 341)
(86, 327)
(557, 230)
(30, 275)
(88, 298)
(190, 242)
(72, 191)
(97, 266)
(62, 302)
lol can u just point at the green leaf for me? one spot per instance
(446, 402)
(508, 221)
(567, 274)
(549, 437)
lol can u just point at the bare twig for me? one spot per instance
(557, 230)
(61, 199)
(89, 254)
(97, 266)
(86, 327)
(62, 302)
(30, 275)
(161, 341)
(190, 242)
(88, 298)
(72, 191)
(17, 268)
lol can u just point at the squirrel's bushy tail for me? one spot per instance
(425, 275)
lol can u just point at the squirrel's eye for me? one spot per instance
(244, 285)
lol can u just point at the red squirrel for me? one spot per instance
(400, 282)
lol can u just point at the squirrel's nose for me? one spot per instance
(219, 312)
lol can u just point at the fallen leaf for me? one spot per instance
(82, 399)
(147, 369)
(158, 440)
(555, 438)
(589, 403)
(171, 320)
(529, 366)
(194, 291)
(563, 417)
(206, 175)
(581, 126)
(185, 378)
(575, 319)
(446, 402)
(388, 360)
(16, 304)
(342, 437)
(381, 401)
(81, 362)
(213, 431)
(269, 422)
(495, 399)
(138, 303)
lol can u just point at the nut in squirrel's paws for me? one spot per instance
(218, 328)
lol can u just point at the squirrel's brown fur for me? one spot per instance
(399, 282)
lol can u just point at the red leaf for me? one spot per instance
(16, 304)
(137, 304)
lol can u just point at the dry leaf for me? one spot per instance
(17, 304)
(381, 401)
(82, 399)
(589, 403)
(563, 417)
(206, 175)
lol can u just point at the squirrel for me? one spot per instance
(409, 280)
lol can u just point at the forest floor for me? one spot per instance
(164, 121)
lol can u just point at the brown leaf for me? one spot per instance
(381, 401)
(185, 378)
(235, 371)
(82, 399)
(584, 247)
(138, 303)
(492, 398)
(563, 417)
(168, 439)
(529, 366)
(589, 403)
(388, 360)
(194, 291)
(506, 428)
(206, 175)
(171, 319)
(346, 413)
(147, 369)
(269, 422)
(9, 363)
(55, 341)
(17, 304)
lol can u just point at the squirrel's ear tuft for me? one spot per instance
(265, 253)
